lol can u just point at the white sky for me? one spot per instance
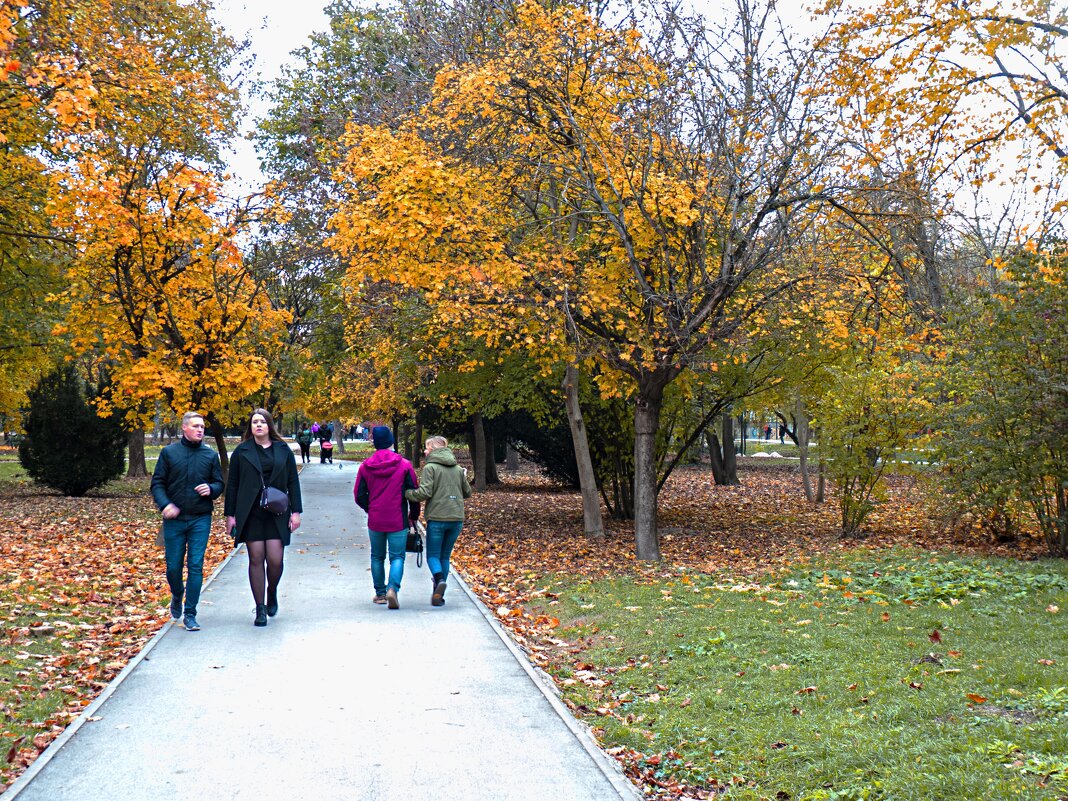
(275, 28)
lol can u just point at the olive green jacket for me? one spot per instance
(442, 487)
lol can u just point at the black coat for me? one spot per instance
(180, 467)
(243, 485)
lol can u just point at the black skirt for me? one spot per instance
(260, 526)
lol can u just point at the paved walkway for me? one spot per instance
(336, 698)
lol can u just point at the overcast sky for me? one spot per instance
(275, 28)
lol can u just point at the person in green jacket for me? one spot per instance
(304, 439)
(442, 487)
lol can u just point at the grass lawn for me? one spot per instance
(870, 674)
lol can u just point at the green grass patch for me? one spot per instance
(11, 472)
(879, 675)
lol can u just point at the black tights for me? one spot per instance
(264, 568)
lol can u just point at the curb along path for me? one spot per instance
(336, 698)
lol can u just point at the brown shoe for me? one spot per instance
(391, 599)
(380, 599)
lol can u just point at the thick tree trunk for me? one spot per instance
(646, 421)
(217, 432)
(592, 523)
(511, 458)
(339, 438)
(730, 459)
(724, 461)
(135, 442)
(715, 457)
(478, 456)
(741, 435)
(491, 461)
(409, 447)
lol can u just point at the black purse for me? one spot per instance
(415, 542)
(272, 499)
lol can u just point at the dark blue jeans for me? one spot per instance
(185, 541)
(394, 541)
(441, 536)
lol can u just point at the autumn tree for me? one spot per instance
(159, 287)
(676, 180)
(46, 96)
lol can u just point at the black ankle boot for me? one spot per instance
(272, 603)
(261, 615)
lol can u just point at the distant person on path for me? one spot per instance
(381, 483)
(326, 443)
(304, 439)
(443, 486)
(262, 460)
(187, 479)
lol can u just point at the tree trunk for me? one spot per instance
(802, 429)
(730, 460)
(409, 448)
(646, 421)
(715, 456)
(339, 436)
(491, 461)
(220, 443)
(396, 433)
(135, 442)
(417, 455)
(742, 435)
(592, 523)
(511, 458)
(478, 456)
(721, 452)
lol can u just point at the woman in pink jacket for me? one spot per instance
(379, 491)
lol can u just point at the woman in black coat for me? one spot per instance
(261, 459)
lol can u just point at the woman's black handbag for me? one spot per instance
(415, 542)
(272, 499)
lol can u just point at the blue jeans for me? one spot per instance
(396, 540)
(186, 541)
(441, 536)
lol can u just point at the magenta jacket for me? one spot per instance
(379, 491)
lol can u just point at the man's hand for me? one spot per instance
(170, 511)
(203, 490)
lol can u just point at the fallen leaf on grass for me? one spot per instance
(975, 699)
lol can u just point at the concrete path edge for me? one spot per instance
(57, 744)
(608, 767)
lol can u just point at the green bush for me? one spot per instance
(68, 446)
(1004, 447)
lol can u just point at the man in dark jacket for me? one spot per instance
(186, 480)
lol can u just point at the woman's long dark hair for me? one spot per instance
(272, 432)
